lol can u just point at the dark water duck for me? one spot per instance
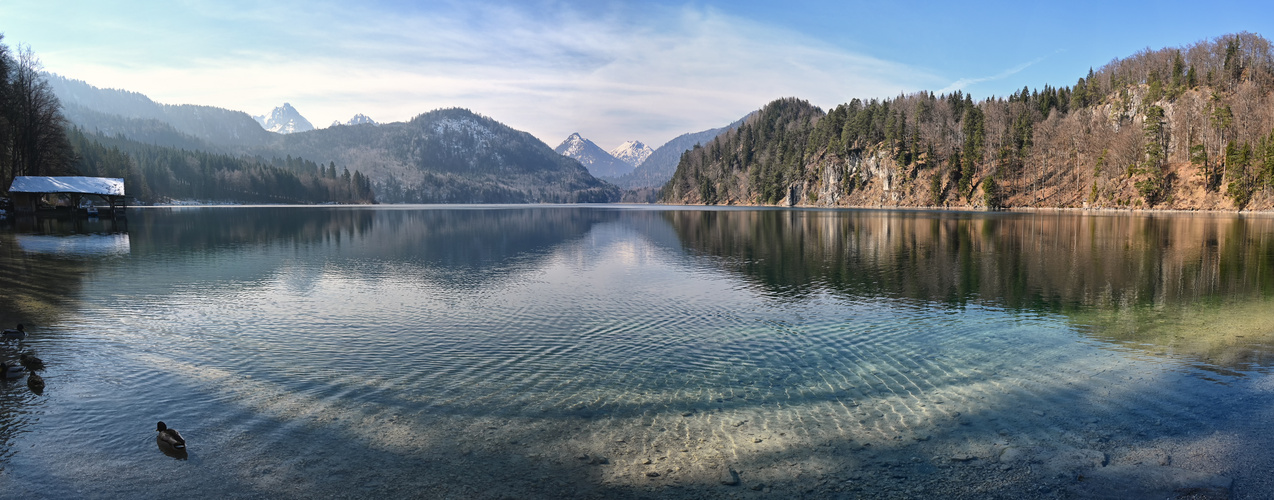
(18, 333)
(31, 362)
(169, 437)
(11, 371)
(36, 383)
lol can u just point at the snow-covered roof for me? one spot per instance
(86, 185)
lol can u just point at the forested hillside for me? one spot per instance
(1189, 128)
(452, 156)
(159, 174)
(444, 156)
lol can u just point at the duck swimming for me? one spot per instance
(19, 333)
(31, 362)
(169, 437)
(36, 383)
(9, 371)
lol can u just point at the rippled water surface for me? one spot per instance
(545, 351)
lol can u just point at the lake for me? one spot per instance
(633, 351)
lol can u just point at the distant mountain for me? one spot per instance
(451, 156)
(595, 159)
(444, 156)
(358, 119)
(632, 152)
(661, 163)
(284, 119)
(112, 111)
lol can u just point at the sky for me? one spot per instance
(610, 70)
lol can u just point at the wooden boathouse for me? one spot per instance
(67, 195)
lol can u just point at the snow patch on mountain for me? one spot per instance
(284, 119)
(632, 152)
(595, 159)
(358, 119)
(574, 146)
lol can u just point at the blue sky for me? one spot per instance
(613, 71)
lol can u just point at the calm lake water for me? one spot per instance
(570, 351)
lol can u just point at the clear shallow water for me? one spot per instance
(479, 351)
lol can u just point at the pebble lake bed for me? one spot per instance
(636, 352)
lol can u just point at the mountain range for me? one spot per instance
(634, 165)
(384, 152)
(595, 159)
(444, 156)
(661, 163)
(358, 119)
(1179, 128)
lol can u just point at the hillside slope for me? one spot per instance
(114, 111)
(451, 156)
(1177, 128)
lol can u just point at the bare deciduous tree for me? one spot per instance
(36, 138)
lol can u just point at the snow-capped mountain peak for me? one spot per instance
(284, 119)
(574, 146)
(595, 159)
(632, 152)
(358, 119)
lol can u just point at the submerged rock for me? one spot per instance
(730, 477)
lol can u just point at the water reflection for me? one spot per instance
(491, 341)
(83, 245)
(1170, 283)
(474, 238)
(1156, 282)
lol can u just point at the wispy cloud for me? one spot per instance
(965, 83)
(548, 68)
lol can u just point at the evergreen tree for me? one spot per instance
(974, 139)
(1238, 161)
(1156, 139)
(1178, 73)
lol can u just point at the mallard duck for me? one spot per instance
(11, 371)
(36, 383)
(19, 333)
(169, 437)
(31, 362)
